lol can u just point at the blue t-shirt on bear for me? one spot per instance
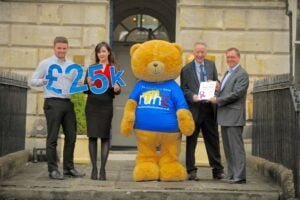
(157, 103)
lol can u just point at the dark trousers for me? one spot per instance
(60, 112)
(207, 124)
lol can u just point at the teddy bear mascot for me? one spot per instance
(157, 111)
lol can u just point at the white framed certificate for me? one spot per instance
(207, 90)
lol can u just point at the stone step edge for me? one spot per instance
(12, 163)
(277, 172)
(25, 194)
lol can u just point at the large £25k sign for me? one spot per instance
(115, 77)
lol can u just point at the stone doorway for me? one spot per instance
(136, 21)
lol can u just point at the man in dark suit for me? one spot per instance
(231, 101)
(204, 113)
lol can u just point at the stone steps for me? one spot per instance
(33, 183)
(132, 194)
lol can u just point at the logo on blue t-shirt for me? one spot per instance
(159, 102)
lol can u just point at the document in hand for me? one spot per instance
(207, 90)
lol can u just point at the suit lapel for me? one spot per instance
(233, 74)
(194, 73)
(207, 68)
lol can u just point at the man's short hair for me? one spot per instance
(200, 43)
(60, 39)
(234, 49)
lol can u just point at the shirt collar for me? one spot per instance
(198, 64)
(233, 69)
(58, 60)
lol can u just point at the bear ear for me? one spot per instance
(133, 48)
(177, 46)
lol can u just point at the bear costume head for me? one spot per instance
(156, 60)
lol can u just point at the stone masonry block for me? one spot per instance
(84, 14)
(87, 53)
(44, 35)
(234, 18)
(4, 32)
(5, 12)
(220, 60)
(24, 12)
(234, 3)
(187, 38)
(267, 64)
(195, 17)
(267, 19)
(31, 103)
(245, 41)
(23, 58)
(36, 125)
(40, 103)
(281, 42)
(50, 13)
(5, 57)
(91, 36)
(35, 142)
(45, 53)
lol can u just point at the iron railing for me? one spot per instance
(13, 97)
(276, 123)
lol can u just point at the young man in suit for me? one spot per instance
(204, 113)
(231, 100)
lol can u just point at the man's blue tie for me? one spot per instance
(203, 76)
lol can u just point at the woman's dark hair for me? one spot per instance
(111, 58)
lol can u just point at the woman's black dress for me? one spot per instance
(99, 113)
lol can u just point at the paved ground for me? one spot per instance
(33, 183)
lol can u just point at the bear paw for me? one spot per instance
(147, 171)
(172, 172)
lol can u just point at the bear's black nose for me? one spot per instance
(155, 64)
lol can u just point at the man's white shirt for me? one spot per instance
(63, 81)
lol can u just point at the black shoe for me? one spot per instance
(227, 179)
(192, 176)
(56, 175)
(219, 176)
(238, 181)
(94, 174)
(73, 173)
(102, 175)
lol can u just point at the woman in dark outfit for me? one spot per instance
(99, 110)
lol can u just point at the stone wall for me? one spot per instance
(27, 30)
(259, 28)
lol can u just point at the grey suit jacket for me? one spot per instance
(231, 99)
(189, 84)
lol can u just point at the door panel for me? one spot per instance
(121, 51)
